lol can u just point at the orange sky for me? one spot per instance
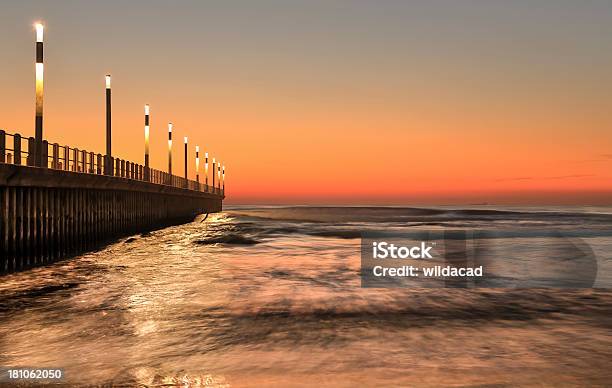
(305, 104)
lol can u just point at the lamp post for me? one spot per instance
(146, 134)
(170, 150)
(108, 125)
(186, 182)
(219, 174)
(223, 177)
(206, 170)
(39, 95)
(198, 164)
(213, 174)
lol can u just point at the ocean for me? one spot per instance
(272, 296)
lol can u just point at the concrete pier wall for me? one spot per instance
(48, 215)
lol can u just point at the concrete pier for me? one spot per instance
(48, 214)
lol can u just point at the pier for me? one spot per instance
(70, 206)
(57, 201)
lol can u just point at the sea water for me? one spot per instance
(271, 297)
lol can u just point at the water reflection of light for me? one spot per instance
(146, 327)
(152, 377)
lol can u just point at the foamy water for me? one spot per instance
(272, 297)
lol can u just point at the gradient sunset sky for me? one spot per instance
(334, 102)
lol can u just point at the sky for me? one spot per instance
(333, 102)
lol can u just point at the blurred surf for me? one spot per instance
(270, 297)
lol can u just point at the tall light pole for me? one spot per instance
(185, 161)
(170, 149)
(206, 170)
(223, 177)
(146, 134)
(198, 164)
(39, 95)
(213, 174)
(219, 174)
(108, 124)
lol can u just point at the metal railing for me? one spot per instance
(58, 157)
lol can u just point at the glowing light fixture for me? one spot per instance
(213, 174)
(186, 162)
(206, 169)
(109, 132)
(170, 148)
(146, 134)
(197, 163)
(40, 29)
(40, 70)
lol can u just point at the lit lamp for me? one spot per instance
(39, 94)
(206, 169)
(185, 161)
(198, 164)
(213, 175)
(108, 124)
(146, 134)
(170, 149)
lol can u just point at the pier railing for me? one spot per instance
(18, 150)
